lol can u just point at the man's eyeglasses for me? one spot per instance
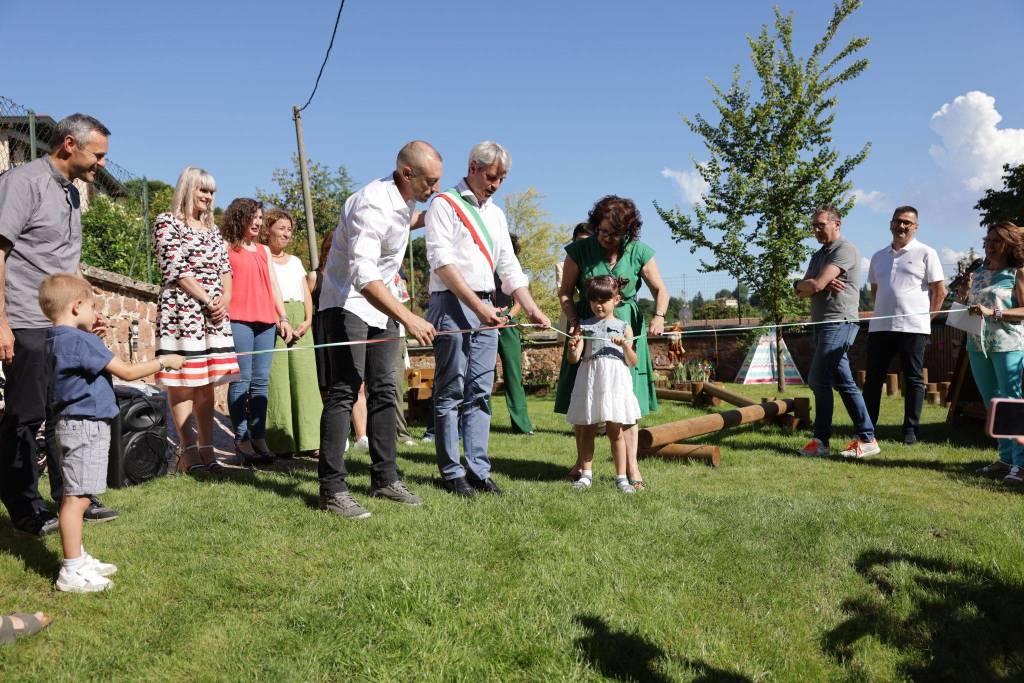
(902, 223)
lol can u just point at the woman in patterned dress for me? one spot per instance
(192, 314)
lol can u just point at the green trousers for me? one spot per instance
(510, 348)
(293, 403)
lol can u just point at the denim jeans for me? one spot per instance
(463, 376)
(830, 369)
(998, 375)
(351, 367)
(247, 395)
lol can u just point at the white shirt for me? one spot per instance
(903, 277)
(369, 244)
(291, 279)
(449, 242)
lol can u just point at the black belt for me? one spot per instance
(486, 296)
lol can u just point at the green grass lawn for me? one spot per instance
(771, 567)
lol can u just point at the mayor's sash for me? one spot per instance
(470, 217)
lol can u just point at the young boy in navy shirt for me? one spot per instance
(82, 396)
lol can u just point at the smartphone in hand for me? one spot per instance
(1006, 418)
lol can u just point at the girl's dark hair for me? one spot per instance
(622, 216)
(237, 218)
(1012, 238)
(605, 287)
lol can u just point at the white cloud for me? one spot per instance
(947, 255)
(874, 200)
(691, 184)
(973, 147)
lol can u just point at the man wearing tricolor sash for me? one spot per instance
(467, 243)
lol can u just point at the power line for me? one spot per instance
(326, 56)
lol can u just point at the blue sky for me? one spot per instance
(587, 96)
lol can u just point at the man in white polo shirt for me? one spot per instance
(906, 281)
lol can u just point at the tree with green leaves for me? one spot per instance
(1006, 204)
(328, 190)
(771, 162)
(540, 242)
(114, 238)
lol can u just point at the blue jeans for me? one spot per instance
(247, 395)
(830, 369)
(463, 376)
(998, 376)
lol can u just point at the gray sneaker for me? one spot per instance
(343, 505)
(397, 492)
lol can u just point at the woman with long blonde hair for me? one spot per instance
(192, 314)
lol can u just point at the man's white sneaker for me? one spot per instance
(98, 567)
(815, 449)
(861, 449)
(81, 580)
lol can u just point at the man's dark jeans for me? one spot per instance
(351, 366)
(882, 346)
(830, 369)
(26, 400)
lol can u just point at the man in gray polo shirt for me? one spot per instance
(40, 234)
(831, 282)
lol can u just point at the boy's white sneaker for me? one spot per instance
(98, 567)
(81, 580)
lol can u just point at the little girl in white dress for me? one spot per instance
(604, 387)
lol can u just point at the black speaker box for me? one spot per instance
(138, 439)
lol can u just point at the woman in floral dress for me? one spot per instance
(192, 314)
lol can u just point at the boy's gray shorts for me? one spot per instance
(84, 450)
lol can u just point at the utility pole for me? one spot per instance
(145, 228)
(32, 134)
(307, 201)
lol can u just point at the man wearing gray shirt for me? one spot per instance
(40, 234)
(831, 282)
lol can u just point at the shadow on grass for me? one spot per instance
(623, 656)
(619, 655)
(527, 470)
(32, 551)
(948, 621)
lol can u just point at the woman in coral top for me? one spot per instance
(257, 313)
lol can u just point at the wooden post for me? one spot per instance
(716, 390)
(934, 398)
(893, 384)
(861, 377)
(662, 435)
(944, 391)
(802, 409)
(685, 451)
(674, 395)
(924, 375)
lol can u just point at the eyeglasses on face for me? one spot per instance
(903, 223)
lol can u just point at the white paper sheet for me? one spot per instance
(959, 318)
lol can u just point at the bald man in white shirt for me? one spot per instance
(467, 243)
(358, 306)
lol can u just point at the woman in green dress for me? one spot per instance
(614, 249)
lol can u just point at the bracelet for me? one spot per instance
(658, 315)
(161, 362)
(283, 320)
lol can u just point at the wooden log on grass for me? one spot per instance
(686, 451)
(662, 435)
(738, 400)
(675, 395)
(934, 398)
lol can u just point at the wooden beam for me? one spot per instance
(686, 451)
(662, 435)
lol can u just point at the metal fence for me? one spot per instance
(116, 208)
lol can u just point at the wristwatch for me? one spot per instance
(997, 315)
